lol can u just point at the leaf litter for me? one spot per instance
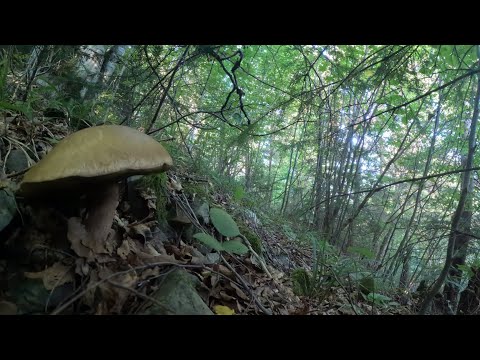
(118, 275)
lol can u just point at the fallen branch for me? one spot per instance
(245, 285)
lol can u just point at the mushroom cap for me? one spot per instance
(96, 154)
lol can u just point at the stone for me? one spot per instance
(202, 212)
(178, 295)
(17, 161)
(8, 207)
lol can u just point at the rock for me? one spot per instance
(179, 297)
(202, 212)
(7, 207)
(30, 295)
(251, 217)
(213, 258)
(17, 161)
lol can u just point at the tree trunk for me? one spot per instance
(457, 242)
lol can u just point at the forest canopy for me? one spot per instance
(365, 150)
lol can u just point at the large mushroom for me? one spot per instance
(92, 161)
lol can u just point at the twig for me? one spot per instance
(21, 172)
(78, 296)
(245, 285)
(6, 156)
(343, 288)
(139, 294)
(55, 286)
(260, 260)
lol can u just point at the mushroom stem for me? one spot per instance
(102, 202)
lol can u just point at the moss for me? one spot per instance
(367, 285)
(302, 282)
(158, 183)
(199, 189)
(252, 238)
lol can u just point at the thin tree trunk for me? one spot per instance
(457, 242)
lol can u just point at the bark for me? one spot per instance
(457, 243)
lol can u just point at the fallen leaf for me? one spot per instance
(140, 230)
(223, 270)
(149, 249)
(224, 296)
(114, 238)
(239, 291)
(56, 275)
(76, 233)
(81, 267)
(123, 250)
(223, 310)
(113, 297)
(150, 272)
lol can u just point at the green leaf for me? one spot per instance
(224, 223)
(209, 241)
(237, 117)
(378, 298)
(238, 193)
(466, 270)
(361, 251)
(235, 246)
(21, 108)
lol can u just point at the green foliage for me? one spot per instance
(223, 222)
(362, 251)
(302, 282)
(157, 182)
(252, 238)
(238, 193)
(466, 270)
(209, 241)
(199, 190)
(287, 230)
(367, 285)
(382, 300)
(235, 246)
(232, 246)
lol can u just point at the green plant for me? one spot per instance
(252, 238)
(381, 300)
(303, 282)
(226, 226)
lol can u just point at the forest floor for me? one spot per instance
(48, 267)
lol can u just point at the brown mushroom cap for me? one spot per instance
(96, 154)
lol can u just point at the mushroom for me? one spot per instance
(92, 161)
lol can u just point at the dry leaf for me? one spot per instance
(124, 249)
(223, 310)
(81, 267)
(89, 297)
(150, 272)
(224, 296)
(149, 259)
(114, 238)
(239, 292)
(223, 270)
(140, 230)
(56, 275)
(113, 296)
(149, 249)
(75, 234)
